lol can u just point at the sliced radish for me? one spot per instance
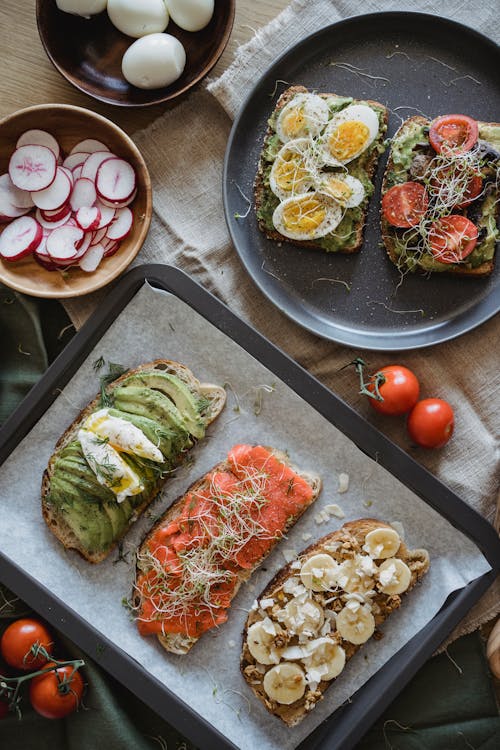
(84, 246)
(43, 260)
(119, 204)
(52, 223)
(32, 167)
(62, 243)
(75, 160)
(12, 194)
(92, 258)
(89, 146)
(20, 238)
(39, 138)
(77, 172)
(59, 213)
(121, 224)
(42, 247)
(69, 173)
(84, 194)
(107, 214)
(115, 180)
(56, 195)
(99, 236)
(93, 162)
(88, 218)
(112, 249)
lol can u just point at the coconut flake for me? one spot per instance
(265, 603)
(289, 554)
(296, 565)
(268, 626)
(343, 483)
(335, 510)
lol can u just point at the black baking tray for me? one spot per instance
(347, 725)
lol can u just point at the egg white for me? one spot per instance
(293, 169)
(110, 469)
(307, 217)
(304, 116)
(122, 435)
(350, 132)
(138, 18)
(347, 190)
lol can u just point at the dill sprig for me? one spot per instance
(114, 372)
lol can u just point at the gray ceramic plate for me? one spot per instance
(410, 62)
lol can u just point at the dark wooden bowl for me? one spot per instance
(88, 53)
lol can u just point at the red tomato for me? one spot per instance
(474, 188)
(400, 390)
(442, 185)
(18, 640)
(452, 238)
(431, 422)
(453, 134)
(58, 693)
(404, 205)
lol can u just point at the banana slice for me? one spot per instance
(285, 683)
(394, 576)
(382, 543)
(302, 616)
(326, 661)
(317, 572)
(356, 574)
(260, 641)
(355, 622)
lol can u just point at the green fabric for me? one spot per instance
(445, 707)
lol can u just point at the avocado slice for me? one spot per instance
(86, 518)
(172, 387)
(117, 517)
(145, 402)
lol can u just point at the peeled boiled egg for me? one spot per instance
(138, 17)
(305, 115)
(154, 61)
(191, 15)
(347, 190)
(122, 435)
(307, 217)
(82, 7)
(349, 133)
(290, 173)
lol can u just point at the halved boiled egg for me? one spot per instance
(307, 217)
(290, 173)
(304, 115)
(110, 469)
(349, 133)
(344, 188)
(122, 435)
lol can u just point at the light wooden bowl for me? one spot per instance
(69, 125)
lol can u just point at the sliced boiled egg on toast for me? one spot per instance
(304, 116)
(122, 435)
(291, 171)
(350, 132)
(347, 190)
(307, 217)
(110, 469)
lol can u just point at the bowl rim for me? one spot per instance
(98, 282)
(157, 100)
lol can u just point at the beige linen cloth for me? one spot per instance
(184, 150)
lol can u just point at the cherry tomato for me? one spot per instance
(453, 134)
(18, 640)
(400, 390)
(441, 185)
(431, 422)
(404, 205)
(452, 238)
(58, 693)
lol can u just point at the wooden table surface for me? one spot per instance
(28, 77)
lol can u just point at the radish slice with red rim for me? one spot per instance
(115, 180)
(62, 243)
(90, 146)
(99, 236)
(56, 195)
(59, 213)
(83, 247)
(88, 218)
(77, 172)
(52, 223)
(121, 224)
(75, 160)
(32, 167)
(107, 214)
(20, 238)
(92, 258)
(93, 162)
(69, 173)
(112, 249)
(39, 138)
(84, 194)
(119, 204)
(20, 199)
(45, 262)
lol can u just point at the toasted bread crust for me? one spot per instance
(215, 394)
(260, 188)
(352, 533)
(388, 236)
(180, 643)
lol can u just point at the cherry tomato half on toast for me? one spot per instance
(398, 387)
(58, 693)
(18, 640)
(442, 187)
(431, 422)
(404, 205)
(452, 238)
(453, 134)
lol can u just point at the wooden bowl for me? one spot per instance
(70, 125)
(89, 52)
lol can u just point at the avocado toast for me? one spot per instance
(115, 457)
(453, 193)
(298, 174)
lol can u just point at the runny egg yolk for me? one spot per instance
(348, 139)
(338, 189)
(304, 215)
(293, 122)
(290, 172)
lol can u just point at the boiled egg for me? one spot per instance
(138, 17)
(84, 8)
(347, 190)
(191, 15)
(291, 170)
(349, 133)
(307, 217)
(110, 469)
(305, 115)
(154, 61)
(122, 435)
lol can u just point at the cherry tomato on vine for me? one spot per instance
(18, 640)
(453, 134)
(58, 693)
(430, 423)
(398, 387)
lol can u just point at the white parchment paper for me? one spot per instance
(156, 324)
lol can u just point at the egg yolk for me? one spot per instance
(348, 139)
(290, 172)
(304, 215)
(294, 122)
(338, 189)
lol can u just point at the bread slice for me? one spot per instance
(422, 154)
(181, 643)
(328, 599)
(213, 397)
(353, 239)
